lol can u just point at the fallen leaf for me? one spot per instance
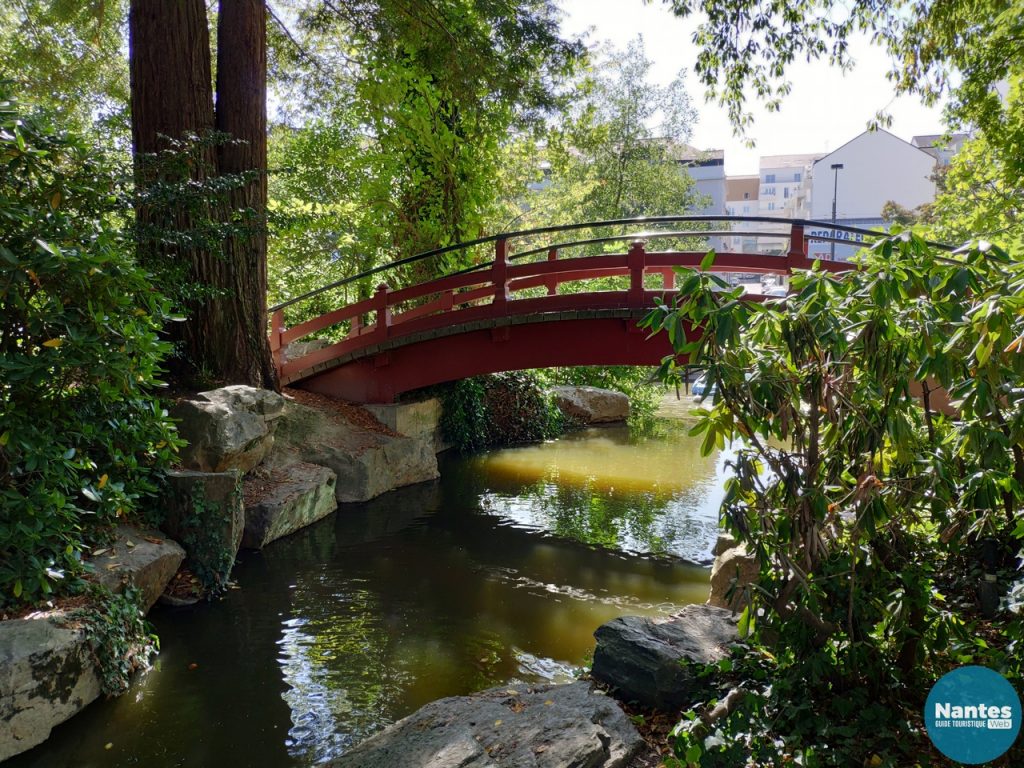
(193, 665)
(153, 540)
(541, 748)
(101, 551)
(548, 702)
(53, 343)
(497, 723)
(109, 745)
(130, 543)
(112, 566)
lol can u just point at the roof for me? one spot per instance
(823, 158)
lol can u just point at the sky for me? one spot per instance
(825, 109)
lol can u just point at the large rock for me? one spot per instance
(732, 567)
(47, 674)
(145, 558)
(203, 511)
(652, 663)
(418, 418)
(286, 499)
(590, 405)
(367, 463)
(227, 428)
(518, 726)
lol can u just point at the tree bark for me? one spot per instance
(242, 113)
(224, 338)
(171, 101)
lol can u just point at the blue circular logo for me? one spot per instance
(972, 715)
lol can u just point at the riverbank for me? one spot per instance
(519, 563)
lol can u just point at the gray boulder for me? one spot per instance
(47, 674)
(287, 499)
(227, 428)
(517, 726)
(590, 405)
(733, 566)
(366, 463)
(145, 558)
(650, 662)
(204, 512)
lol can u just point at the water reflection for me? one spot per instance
(499, 572)
(607, 487)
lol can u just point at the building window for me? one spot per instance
(769, 178)
(746, 195)
(785, 191)
(797, 176)
(771, 206)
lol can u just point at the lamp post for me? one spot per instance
(836, 168)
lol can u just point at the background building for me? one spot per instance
(741, 199)
(876, 167)
(784, 192)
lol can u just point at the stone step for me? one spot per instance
(284, 499)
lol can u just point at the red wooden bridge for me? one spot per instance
(515, 312)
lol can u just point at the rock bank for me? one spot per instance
(652, 663)
(515, 726)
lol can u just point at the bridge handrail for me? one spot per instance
(805, 223)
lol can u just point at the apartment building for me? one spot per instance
(784, 192)
(741, 199)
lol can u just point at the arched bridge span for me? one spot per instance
(541, 306)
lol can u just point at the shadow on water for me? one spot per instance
(499, 572)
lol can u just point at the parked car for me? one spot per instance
(703, 388)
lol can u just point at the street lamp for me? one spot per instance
(836, 167)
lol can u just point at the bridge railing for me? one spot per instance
(502, 287)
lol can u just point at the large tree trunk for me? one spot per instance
(242, 113)
(224, 338)
(171, 101)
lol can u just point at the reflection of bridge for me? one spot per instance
(502, 315)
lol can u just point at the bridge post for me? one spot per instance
(276, 338)
(637, 261)
(380, 304)
(499, 275)
(551, 280)
(796, 258)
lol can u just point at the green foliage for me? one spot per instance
(121, 640)
(81, 435)
(869, 505)
(609, 157)
(498, 409)
(408, 126)
(202, 537)
(67, 55)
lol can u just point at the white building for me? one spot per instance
(874, 168)
(784, 192)
(741, 199)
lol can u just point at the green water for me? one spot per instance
(499, 572)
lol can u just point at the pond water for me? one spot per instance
(499, 572)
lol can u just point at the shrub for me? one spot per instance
(498, 409)
(81, 434)
(875, 514)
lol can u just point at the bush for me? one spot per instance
(882, 521)
(498, 409)
(81, 434)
